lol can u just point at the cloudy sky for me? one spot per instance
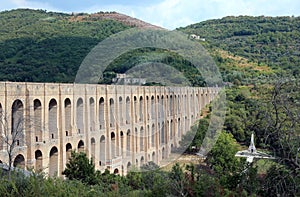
(166, 13)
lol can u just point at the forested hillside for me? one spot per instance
(272, 41)
(45, 46)
(41, 46)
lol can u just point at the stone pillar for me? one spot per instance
(60, 134)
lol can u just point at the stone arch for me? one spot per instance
(102, 151)
(162, 137)
(68, 120)
(79, 116)
(191, 104)
(185, 102)
(167, 106)
(121, 111)
(175, 108)
(202, 100)
(92, 113)
(38, 160)
(127, 111)
(169, 137)
(147, 137)
(158, 108)
(197, 106)
(153, 157)
(163, 153)
(93, 149)
(171, 105)
(141, 108)
(68, 151)
(19, 161)
(162, 108)
(179, 128)
(37, 120)
(101, 113)
(128, 143)
(52, 123)
(80, 146)
(153, 135)
(147, 107)
(128, 166)
(137, 163)
(53, 161)
(172, 148)
(122, 143)
(182, 104)
(136, 140)
(178, 104)
(159, 134)
(111, 112)
(17, 121)
(152, 107)
(142, 161)
(186, 124)
(142, 138)
(113, 145)
(116, 171)
(135, 104)
(171, 129)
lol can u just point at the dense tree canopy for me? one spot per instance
(267, 40)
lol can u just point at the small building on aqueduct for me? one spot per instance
(117, 125)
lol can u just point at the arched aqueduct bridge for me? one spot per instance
(117, 126)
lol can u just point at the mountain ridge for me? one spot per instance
(123, 18)
(42, 46)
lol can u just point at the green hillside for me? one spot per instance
(42, 46)
(272, 41)
(45, 46)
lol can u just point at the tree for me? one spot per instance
(135, 180)
(278, 125)
(281, 181)
(80, 168)
(154, 179)
(12, 135)
(223, 161)
(281, 119)
(179, 182)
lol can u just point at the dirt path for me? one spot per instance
(181, 159)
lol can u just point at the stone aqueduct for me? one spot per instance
(117, 126)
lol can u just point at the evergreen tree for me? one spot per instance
(80, 168)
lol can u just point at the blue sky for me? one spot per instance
(166, 13)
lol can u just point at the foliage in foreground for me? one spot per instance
(224, 175)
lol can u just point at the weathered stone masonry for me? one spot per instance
(118, 126)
